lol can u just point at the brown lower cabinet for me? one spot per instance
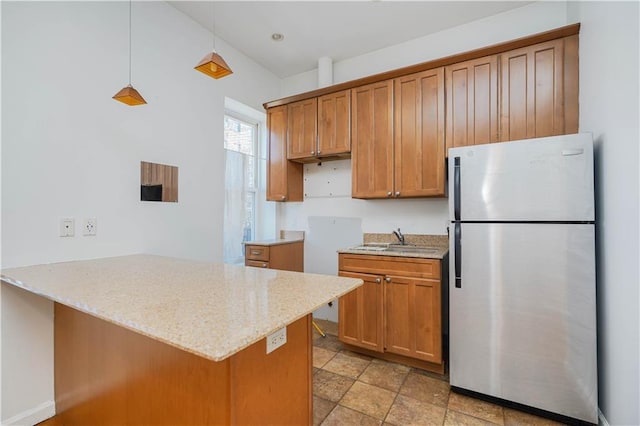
(287, 256)
(397, 313)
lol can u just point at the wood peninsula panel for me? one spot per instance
(472, 102)
(372, 140)
(419, 145)
(108, 375)
(284, 178)
(276, 388)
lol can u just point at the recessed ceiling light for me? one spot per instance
(277, 37)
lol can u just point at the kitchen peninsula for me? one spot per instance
(147, 339)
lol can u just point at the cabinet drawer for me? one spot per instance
(390, 265)
(256, 253)
(256, 263)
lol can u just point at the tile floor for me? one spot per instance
(352, 389)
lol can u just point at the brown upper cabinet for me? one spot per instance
(284, 178)
(372, 140)
(398, 141)
(334, 124)
(302, 129)
(419, 148)
(539, 90)
(400, 124)
(472, 102)
(319, 128)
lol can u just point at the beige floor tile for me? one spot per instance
(454, 418)
(476, 408)
(346, 365)
(519, 418)
(385, 374)
(330, 386)
(426, 389)
(407, 411)
(368, 399)
(343, 416)
(321, 408)
(321, 356)
(329, 327)
(330, 342)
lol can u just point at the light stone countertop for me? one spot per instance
(438, 253)
(210, 309)
(439, 244)
(274, 241)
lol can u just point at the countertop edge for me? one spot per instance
(436, 255)
(143, 331)
(273, 242)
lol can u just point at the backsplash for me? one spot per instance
(417, 239)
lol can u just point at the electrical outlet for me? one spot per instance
(67, 227)
(90, 226)
(276, 339)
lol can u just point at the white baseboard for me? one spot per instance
(602, 421)
(33, 416)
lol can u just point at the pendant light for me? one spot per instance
(128, 95)
(212, 64)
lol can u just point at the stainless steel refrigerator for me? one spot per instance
(522, 275)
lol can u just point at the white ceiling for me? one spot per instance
(338, 29)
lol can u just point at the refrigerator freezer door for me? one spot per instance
(544, 179)
(523, 322)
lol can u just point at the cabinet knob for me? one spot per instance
(388, 279)
(389, 194)
(318, 152)
(313, 152)
(283, 198)
(264, 265)
(378, 280)
(397, 193)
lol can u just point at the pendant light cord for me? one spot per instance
(129, 42)
(213, 31)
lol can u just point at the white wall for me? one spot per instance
(68, 149)
(609, 108)
(526, 20)
(420, 216)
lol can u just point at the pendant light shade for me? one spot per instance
(214, 66)
(128, 95)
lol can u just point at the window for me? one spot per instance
(247, 215)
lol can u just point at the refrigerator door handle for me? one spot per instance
(457, 255)
(456, 188)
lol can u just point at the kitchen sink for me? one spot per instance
(410, 249)
(396, 248)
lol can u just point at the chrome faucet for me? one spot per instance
(399, 236)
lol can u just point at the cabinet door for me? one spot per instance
(532, 99)
(284, 178)
(334, 125)
(302, 129)
(472, 102)
(413, 318)
(372, 140)
(360, 313)
(419, 134)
